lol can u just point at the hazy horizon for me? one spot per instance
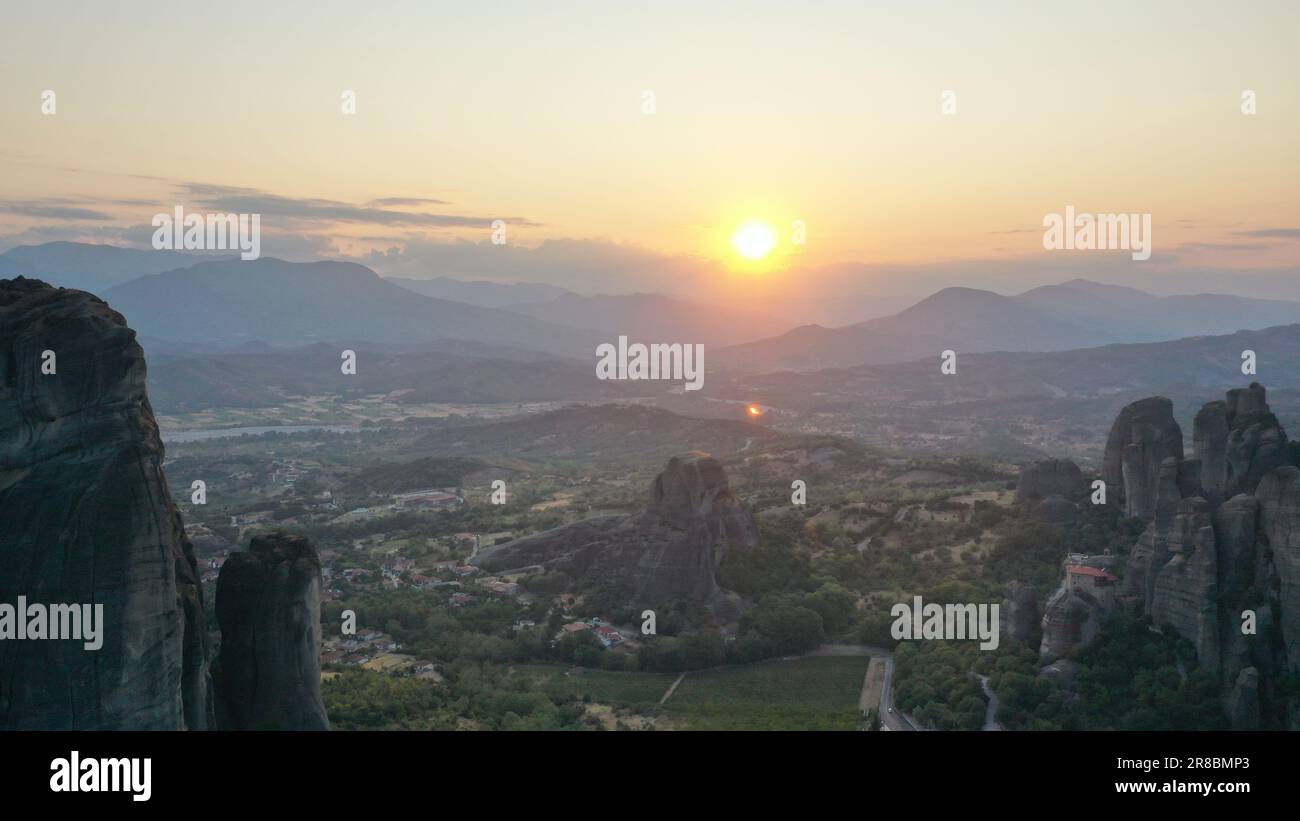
(913, 156)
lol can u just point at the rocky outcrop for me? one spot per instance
(86, 519)
(1242, 706)
(670, 551)
(1210, 446)
(1070, 620)
(1047, 489)
(267, 675)
(1152, 549)
(1143, 437)
(1219, 559)
(1279, 518)
(1256, 443)
(1050, 477)
(1184, 592)
(1019, 612)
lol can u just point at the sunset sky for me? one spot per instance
(829, 113)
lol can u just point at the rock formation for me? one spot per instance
(1050, 477)
(1242, 703)
(267, 675)
(1238, 442)
(1219, 560)
(87, 518)
(1184, 589)
(1143, 436)
(1048, 490)
(1019, 612)
(670, 551)
(1279, 520)
(1070, 620)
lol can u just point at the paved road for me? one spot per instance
(893, 718)
(990, 714)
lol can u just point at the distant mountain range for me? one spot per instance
(93, 268)
(653, 317)
(1075, 314)
(288, 304)
(481, 293)
(188, 306)
(644, 317)
(181, 303)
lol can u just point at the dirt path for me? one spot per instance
(671, 689)
(873, 686)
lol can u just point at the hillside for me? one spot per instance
(1076, 314)
(285, 303)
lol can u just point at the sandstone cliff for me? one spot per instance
(1143, 436)
(87, 518)
(1221, 548)
(1019, 614)
(669, 551)
(268, 604)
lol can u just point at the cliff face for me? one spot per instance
(1019, 613)
(268, 604)
(670, 551)
(1184, 592)
(87, 519)
(1221, 547)
(1143, 436)
(1279, 518)
(1070, 620)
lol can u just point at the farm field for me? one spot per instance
(812, 693)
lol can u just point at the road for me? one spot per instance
(895, 720)
(991, 713)
(892, 717)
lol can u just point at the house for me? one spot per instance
(1093, 581)
(572, 629)
(499, 587)
(431, 497)
(608, 636)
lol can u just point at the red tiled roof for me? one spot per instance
(1084, 570)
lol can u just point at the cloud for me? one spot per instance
(1225, 246)
(252, 201)
(1274, 233)
(584, 265)
(402, 201)
(53, 209)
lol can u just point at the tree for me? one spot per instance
(788, 629)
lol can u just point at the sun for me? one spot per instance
(754, 240)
